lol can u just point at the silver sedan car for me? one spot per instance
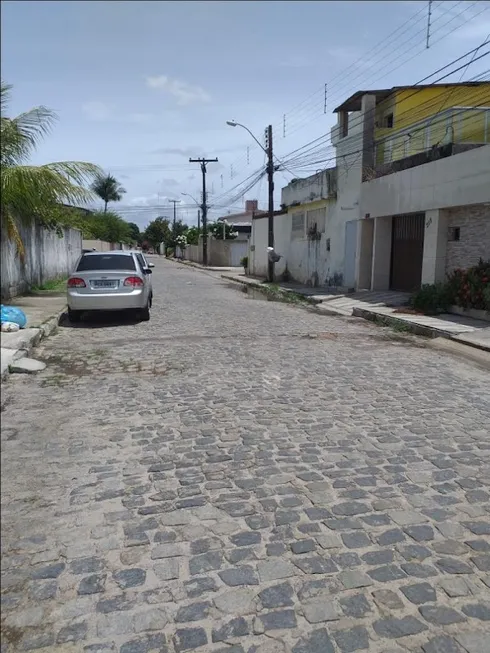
(110, 281)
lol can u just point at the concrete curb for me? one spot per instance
(389, 320)
(44, 330)
(264, 287)
(417, 329)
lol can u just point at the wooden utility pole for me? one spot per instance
(174, 202)
(270, 181)
(199, 219)
(204, 206)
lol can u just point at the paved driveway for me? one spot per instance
(244, 476)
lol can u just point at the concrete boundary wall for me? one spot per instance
(48, 256)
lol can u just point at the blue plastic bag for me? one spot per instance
(13, 314)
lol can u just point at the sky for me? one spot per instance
(140, 87)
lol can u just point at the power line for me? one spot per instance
(414, 86)
(342, 73)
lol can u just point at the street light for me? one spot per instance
(233, 123)
(198, 212)
(270, 179)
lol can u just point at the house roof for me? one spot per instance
(354, 102)
(245, 215)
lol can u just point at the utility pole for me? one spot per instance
(204, 207)
(270, 180)
(199, 219)
(429, 16)
(174, 202)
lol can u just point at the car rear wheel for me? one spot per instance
(145, 313)
(74, 316)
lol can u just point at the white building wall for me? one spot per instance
(257, 255)
(459, 180)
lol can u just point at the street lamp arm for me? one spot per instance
(232, 123)
(192, 198)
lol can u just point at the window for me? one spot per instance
(344, 123)
(142, 262)
(316, 217)
(454, 233)
(90, 262)
(388, 151)
(298, 225)
(388, 120)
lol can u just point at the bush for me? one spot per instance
(244, 263)
(465, 288)
(471, 288)
(432, 298)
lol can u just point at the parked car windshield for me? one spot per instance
(106, 262)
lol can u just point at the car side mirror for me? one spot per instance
(148, 271)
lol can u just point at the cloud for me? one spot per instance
(98, 111)
(183, 92)
(172, 183)
(102, 112)
(296, 61)
(179, 151)
(478, 31)
(139, 118)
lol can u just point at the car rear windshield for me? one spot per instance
(106, 262)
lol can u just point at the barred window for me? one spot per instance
(298, 225)
(316, 217)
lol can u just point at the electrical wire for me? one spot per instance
(342, 73)
(288, 158)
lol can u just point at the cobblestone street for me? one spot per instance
(242, 476)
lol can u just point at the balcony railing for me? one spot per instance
(459, 125)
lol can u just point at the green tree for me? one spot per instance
(108, 189)
(31, 193)
(159, 231)
(216, 229)
(178, 229)
(108, 227)
(135, 232)
(193, 234)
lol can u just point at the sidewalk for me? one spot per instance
(384, 307)
(209, 268)
(43, 312)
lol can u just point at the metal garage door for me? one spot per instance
(407, 251)
(239, 249)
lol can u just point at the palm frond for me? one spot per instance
(13, 234)
(29, 193)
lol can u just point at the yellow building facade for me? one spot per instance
(410, 120)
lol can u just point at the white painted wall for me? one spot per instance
(459, 180)
(47, 257)
(315, 187)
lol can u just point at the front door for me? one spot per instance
(407, 252)
(350, 253)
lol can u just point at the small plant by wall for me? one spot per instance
(468, 289)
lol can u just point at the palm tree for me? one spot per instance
(108, 189)
(27, 192)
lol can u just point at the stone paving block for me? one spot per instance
(227, 477)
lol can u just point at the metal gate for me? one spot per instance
(407, 251)
(239, 249)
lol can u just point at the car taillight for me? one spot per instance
(76, 282)
(134, 282)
